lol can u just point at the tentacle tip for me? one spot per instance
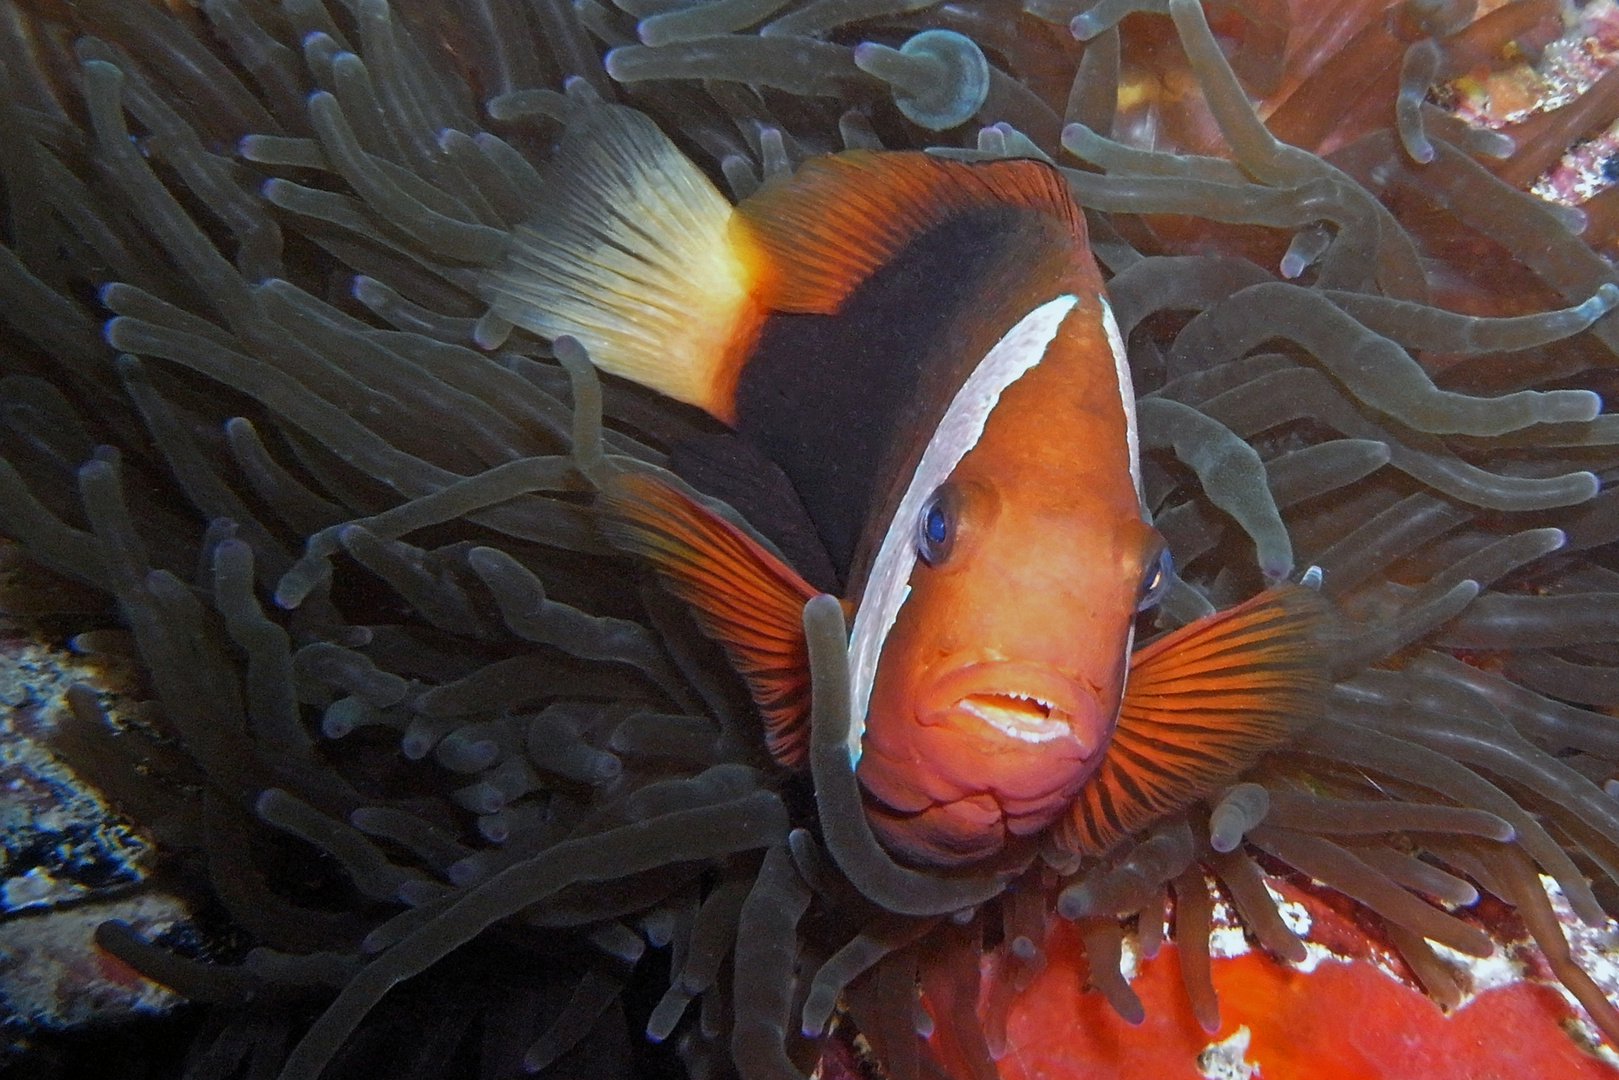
(415, 892)
(491, 331)
(1276, 571)
(1311, 578)
(1292, 266)
(569, 350)
(104, 69)
(463, 873)
(939, 78)
(1079, 140)
(494, 828)
(1572, 406)
(1074, 903)
(264, 805)
(579, 90)
(1131, 1011)
(1085, 26)
(866, 54)
(614, 64)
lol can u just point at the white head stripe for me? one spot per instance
(1127, 392)
(1020, 349)
(1132, 438)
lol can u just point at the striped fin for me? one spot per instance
(741, 596)
(1202, 704)
(823, 231)
(631, 254)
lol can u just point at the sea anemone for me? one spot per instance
(444, 764)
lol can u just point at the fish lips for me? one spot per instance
(1034, 706)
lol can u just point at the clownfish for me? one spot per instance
(928, 411)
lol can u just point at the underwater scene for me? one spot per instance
(839, 539)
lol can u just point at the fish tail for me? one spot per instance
(631, 255)
(1201, 705)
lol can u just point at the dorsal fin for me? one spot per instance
(824, 230)
(1201, 704)
(741, 595)
(631, 254)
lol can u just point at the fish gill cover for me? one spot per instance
(442, 765)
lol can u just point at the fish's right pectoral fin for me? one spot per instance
(1201, 705)
(741, 595)
(630, 253)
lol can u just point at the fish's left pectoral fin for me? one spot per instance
(1201, 705)
(740, 594)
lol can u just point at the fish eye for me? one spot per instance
(1156, 580)
(936, 527)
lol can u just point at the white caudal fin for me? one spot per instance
(630, 255)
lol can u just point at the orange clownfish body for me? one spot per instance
(928, 411)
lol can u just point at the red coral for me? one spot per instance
(1345, 1020)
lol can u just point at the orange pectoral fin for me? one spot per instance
(741, 595)
(1200, 706)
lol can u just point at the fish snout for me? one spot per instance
(1030, 703)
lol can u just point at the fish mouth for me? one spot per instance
(1029, 718)
(1030, 703)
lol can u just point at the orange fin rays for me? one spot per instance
(741, 596)
(1202, 703)
(833, 223)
